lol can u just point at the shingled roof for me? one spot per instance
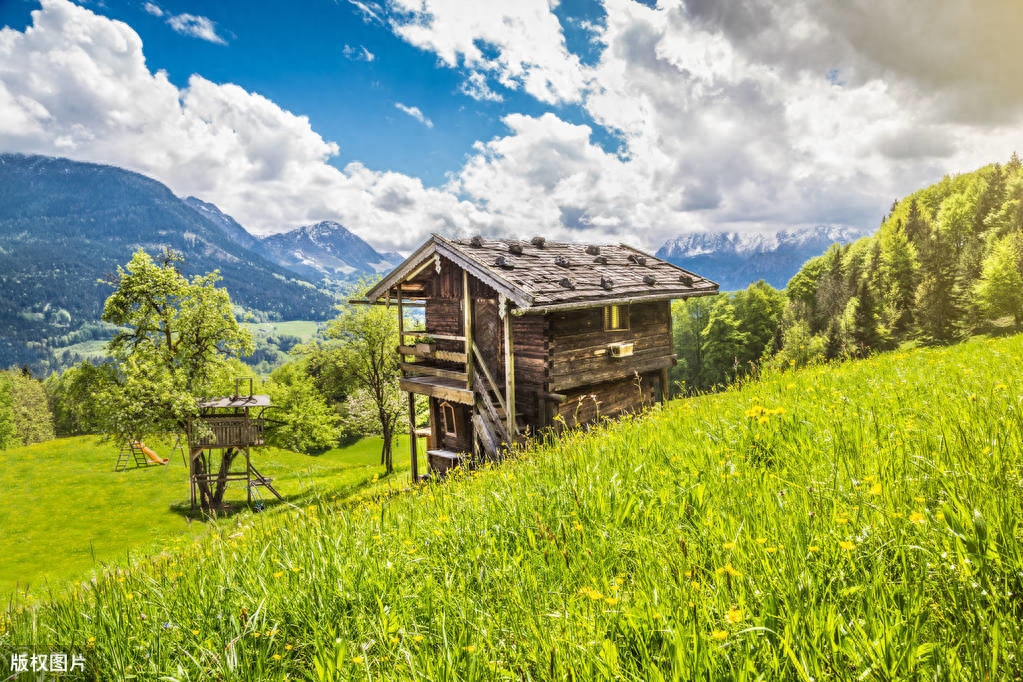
(538, 275)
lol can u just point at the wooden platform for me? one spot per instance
(442, 460)
(443, 388)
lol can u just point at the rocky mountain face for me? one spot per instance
(326, 251)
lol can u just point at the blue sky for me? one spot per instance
(579, 119)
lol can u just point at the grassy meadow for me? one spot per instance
(66, 511)
(859, 521)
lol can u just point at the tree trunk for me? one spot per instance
(225, 469)
(201, 468)
(387, 459)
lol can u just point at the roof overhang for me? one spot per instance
(436, 247)
(624, 300)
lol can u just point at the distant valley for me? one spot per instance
(67, 225)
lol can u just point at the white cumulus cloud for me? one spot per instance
(196, 27)
(76, 84)
(415, 113)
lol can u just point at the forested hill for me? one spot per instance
(64, 225)
(946, 262)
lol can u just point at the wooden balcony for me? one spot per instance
(227, 431)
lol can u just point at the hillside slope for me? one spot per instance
(853, 521)
(946, 262)
(64, 225)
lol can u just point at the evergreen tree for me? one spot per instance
(1000, 287)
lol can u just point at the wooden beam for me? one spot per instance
(467, 327)
(438, 387)
(450, 356)
(622, 300)
(401, 325)
(619, 371)
(486, 373)
(413, 438)
(665, 389)
(509, 377)
(433, 371)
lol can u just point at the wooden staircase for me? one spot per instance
(490, 423)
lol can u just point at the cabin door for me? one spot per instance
(487, 332)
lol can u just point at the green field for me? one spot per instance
(859, 521)
(303, 329)
(66, 511)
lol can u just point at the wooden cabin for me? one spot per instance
(521, 336)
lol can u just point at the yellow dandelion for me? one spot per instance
(417, 638)
(846, 545)
(917, 517)
(875, 489)
(728, 546)
(770, 550)
(612, 601)
(356, 660)
(287, 647)
(278, 574)
(733, 616)
(920, 500)
(719, 634)
(277, 657)
(761, 541)
(730, 570)
(469, 649)
(814, 548)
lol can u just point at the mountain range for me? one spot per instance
(736, 259)
(66, 225)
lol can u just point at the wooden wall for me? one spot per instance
(579, 345)
(609, 399)
(532, 357)
(444, 305)
(564, 353)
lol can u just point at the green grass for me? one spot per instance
(855, 521)
(66, 511)
(303, 329)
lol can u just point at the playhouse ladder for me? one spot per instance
(260, 479)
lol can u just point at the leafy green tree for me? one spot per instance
(30, 410)
(367, 338)
(8, 434)
(302, 419)
(173, 348)
(724, 342)
(76, 398)
(1000, 287)
(759, 310)
(689, 321)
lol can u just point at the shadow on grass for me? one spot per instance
(337, 497)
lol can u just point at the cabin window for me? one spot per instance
(616, 317)
(447, 419)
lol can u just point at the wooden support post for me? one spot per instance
(401, 329)
(467, 322)
(665, 388)
(509, 377)
(413, 445)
